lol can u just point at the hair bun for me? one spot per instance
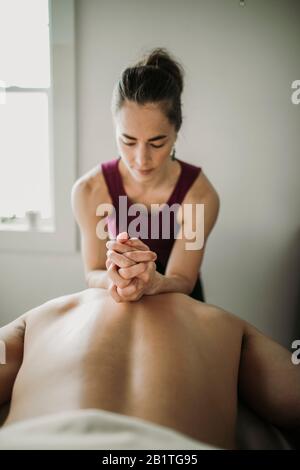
(156, 78)
(161, 58)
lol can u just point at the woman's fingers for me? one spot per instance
(137, 243)
(113, 292)
(129, 264)
(123, 236)
(118, 247)
(141, 256)
(130, 258)
(116, 278)
(132, 271)
(128, 245)
(120, 260)
(128, 291)
(145, 276)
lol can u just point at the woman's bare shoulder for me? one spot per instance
(201, 189)
(88, 192)
(92, 183)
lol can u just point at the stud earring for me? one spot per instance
(173, 153)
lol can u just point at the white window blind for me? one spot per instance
(37, 125)
(25, 169)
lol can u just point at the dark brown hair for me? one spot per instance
(156, 78)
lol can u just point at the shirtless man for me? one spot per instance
(167, 359)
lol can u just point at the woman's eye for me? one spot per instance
(155, 146)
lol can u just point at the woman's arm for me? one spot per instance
(187, 253)
(87, 193)
(97, 278)
(169, 283)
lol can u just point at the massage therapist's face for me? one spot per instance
(145, 139)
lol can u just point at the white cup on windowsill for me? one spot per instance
(33, 219)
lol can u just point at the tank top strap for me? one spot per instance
(115, 186)
(112, 178)
(187, 177)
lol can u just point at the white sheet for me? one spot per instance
(93, 429)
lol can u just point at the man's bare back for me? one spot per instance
(167, 359)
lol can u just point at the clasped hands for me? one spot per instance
(131, 268)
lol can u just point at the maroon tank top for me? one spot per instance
(157, 232)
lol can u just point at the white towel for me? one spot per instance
(93, 429)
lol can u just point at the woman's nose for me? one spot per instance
(142, 157)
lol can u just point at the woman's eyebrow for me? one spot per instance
(157, 137)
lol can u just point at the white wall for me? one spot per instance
(239, 125)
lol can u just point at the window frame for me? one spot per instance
(62, 236)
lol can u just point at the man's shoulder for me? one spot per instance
(57, 305)
(218, 315)
(64, 303)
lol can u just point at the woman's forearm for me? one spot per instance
(98, 278)
(162, 283)
(169, 283)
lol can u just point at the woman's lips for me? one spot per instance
(144, 172)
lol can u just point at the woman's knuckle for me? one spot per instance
(126, 275)
(123, 284)
(142, 267)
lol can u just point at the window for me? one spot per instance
(37, 125)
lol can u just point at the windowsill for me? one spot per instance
(49, 237)
(21, 225)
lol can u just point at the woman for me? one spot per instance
(146, 108)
